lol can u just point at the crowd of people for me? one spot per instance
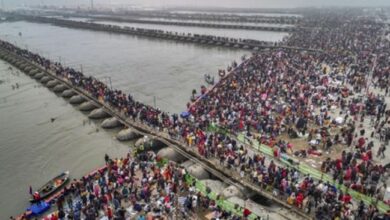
(324, 97)
(142, 188)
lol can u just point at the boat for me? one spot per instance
(49, 200)
(51, 187)
(209, 79)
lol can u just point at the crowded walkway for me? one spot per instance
(281, 95)
(143, 187)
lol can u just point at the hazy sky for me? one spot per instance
(212, 3)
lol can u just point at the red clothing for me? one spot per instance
(314, 152)
(369, 154)
(348, 174)
(299, 199)
(276, 152)
(166, 199)
(339, 164)
(109, 213)
(241, 125)
(247, 212)
(365, 157)
(37, 196)
(105, 199)
(347, 198)
(304, 185)
(361, 142)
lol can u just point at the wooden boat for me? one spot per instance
(52, 186)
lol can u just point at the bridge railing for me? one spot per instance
(226, 205)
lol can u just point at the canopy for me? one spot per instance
(39, 207)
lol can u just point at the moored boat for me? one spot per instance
(51, 187)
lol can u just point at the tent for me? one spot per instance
(39, 208)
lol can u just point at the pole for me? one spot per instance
(81, 67)
(2, 5)
(154, 101)
(91, 4)
(110, 82)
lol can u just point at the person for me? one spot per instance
(106, 158)
(58, 182)
(141, 217)
(110, 212)
(247, 213)
(381, 151)
(36, 196)
(61, 214)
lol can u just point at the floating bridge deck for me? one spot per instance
(207, 40)
(195, 24)
(192, 16)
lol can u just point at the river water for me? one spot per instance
(33, 149)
